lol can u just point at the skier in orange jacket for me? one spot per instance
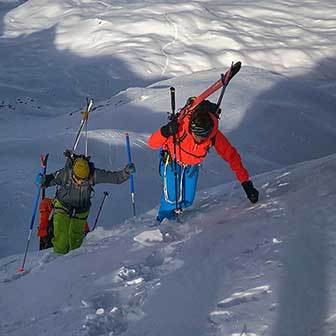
(195, 134)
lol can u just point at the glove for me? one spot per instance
(42, 180)
(68, 153)
(251, 192)
(129, 169)
(170, 129)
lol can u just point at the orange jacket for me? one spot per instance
(189, 152)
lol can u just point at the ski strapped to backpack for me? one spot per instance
(221, 83)
(84, 121)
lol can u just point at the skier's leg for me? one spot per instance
(76, 230)
(190, 179)
(61, 221)
(167, 202)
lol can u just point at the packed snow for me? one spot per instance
(229, 268)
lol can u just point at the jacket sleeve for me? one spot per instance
(231, 155)
(156, 140)
(107, 176)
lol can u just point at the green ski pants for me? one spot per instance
(68, 231)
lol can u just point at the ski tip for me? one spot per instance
(235, 68)
(20, 270)
(237, 65)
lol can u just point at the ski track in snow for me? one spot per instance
(168, 45)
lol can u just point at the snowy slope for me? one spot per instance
(269, 266)
(266, 269)
(272, 121)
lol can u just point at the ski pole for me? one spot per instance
(45, 162)
(85, 116)
(36, 202)
(172, 99)
(244, 331)
(86, 137)
(128, 146)
(100, 209)
(225, 82)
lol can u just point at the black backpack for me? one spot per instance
(207, 106)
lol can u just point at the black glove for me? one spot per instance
(251, 192)
(170, 129)
(43, 181)
(68, 153)
(129, 169)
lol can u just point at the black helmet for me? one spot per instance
(201, 123)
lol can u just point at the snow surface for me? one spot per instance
(230, 268)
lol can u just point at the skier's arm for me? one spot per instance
(230, 154)
(156, 140)
(159, 138)
(53, 179)
(114, 177)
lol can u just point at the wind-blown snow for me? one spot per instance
(230, 268)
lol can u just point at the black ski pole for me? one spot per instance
(225, 80)
(45, 162)
(172, 99)
(100, 209)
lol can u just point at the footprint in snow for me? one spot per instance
(105, 317)
(164, 234)
(253, 294)
(238, 298)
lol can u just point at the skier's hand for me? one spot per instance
(129, 169)
(170, 129)
(68, 153)
(251, 192)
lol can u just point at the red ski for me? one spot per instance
(223, 82)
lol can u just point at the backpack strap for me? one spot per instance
(213, 141)
(181, 138)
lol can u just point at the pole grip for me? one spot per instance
(172, 100)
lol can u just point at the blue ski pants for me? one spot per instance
(186, 188)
